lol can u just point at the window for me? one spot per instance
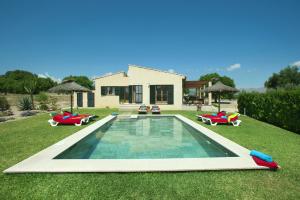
(135, 94)
(109, 90)
(130, 94)
(161, 94)
(124, 94)
(138, 94)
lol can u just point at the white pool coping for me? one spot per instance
(43, 161)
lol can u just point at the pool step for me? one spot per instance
(133, 116)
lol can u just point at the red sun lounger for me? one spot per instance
(68, 118)
(230, 119)
(200, 117)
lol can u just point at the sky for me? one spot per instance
(247, 40)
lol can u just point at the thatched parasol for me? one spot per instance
(219, 88)
(68, 87)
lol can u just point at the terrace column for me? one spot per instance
(84, 99)
(200, 93)
(209, 94)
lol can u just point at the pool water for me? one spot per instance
(145, 138)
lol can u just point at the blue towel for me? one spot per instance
(66, 117)
(75, 114)
(261, 155)
(114, 114)
(224, 117)
(214, 114)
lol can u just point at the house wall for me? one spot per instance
(137, 76)
(84, 99)
(146, 77)
(119, 79)
(75, 100)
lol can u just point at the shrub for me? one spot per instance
(53, 103)
(43, 107)
(278, 107)
(25, 103)
(43, 100)
(4, 105)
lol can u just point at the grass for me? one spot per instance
(21, 139)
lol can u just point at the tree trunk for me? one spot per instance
(32, 101)
(219, 102)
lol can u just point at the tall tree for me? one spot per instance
(3, 84)
(81, 80)
(43, 84)
(14, 82)
(288, 77)
(215, 77)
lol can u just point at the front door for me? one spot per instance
(79, 99)
(91, 100)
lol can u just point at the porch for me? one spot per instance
(193, 95)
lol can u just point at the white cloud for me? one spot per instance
(42, 76)
(46, 75)
(171, 70)
(93, 77)
(233, 67)
(297, 63)
(108, 73)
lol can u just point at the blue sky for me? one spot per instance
(246, 40)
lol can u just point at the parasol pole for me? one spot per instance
(219, 101)
(72, 102)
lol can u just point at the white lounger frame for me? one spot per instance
(208, 121)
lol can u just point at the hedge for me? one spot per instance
(280, 108)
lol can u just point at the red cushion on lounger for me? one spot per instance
(260, 162)
(66, 113)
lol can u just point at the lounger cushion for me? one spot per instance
(261, 155)
(260, 162)
(66, 117)
(231, 117)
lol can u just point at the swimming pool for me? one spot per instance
(140, 143)
(145, 137)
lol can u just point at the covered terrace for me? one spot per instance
(195, 96)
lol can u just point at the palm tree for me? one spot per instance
(30, 87)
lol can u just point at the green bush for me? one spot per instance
(53, 103)
(4, 105)
(43, 100)
(25, 103)
(278, 107)
(43, 107)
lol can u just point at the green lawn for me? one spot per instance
(21, 139)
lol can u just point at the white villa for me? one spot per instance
(140, 85)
